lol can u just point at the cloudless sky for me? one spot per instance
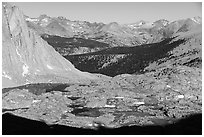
(106, 12)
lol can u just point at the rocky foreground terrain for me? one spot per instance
(160, 99)
(155, 88)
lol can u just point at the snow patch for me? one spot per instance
(6, 76)
(168, 86)
(110, 106)
(180, 96)
(138, 103)
(36, 101)
(49, 67)
(31, 19)
(25, 69)
(45, 20)
(193, 19)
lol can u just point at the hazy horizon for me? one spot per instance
(106, 12)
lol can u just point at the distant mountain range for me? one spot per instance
(115, 34)
(113, 48)
(109, 35)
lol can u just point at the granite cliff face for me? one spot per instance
(27, 58)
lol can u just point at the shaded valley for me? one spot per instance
(120, 60)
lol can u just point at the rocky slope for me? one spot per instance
(188, 53)
(139, 59)
(27, 58)
(184, 47)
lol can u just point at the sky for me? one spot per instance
(106, 12)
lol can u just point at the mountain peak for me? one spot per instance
(162, 22)
(197, 19)
(43, 16)
(141, 22)
(113, 24)
(61, 18)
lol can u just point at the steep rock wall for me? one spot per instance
(27, 58)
